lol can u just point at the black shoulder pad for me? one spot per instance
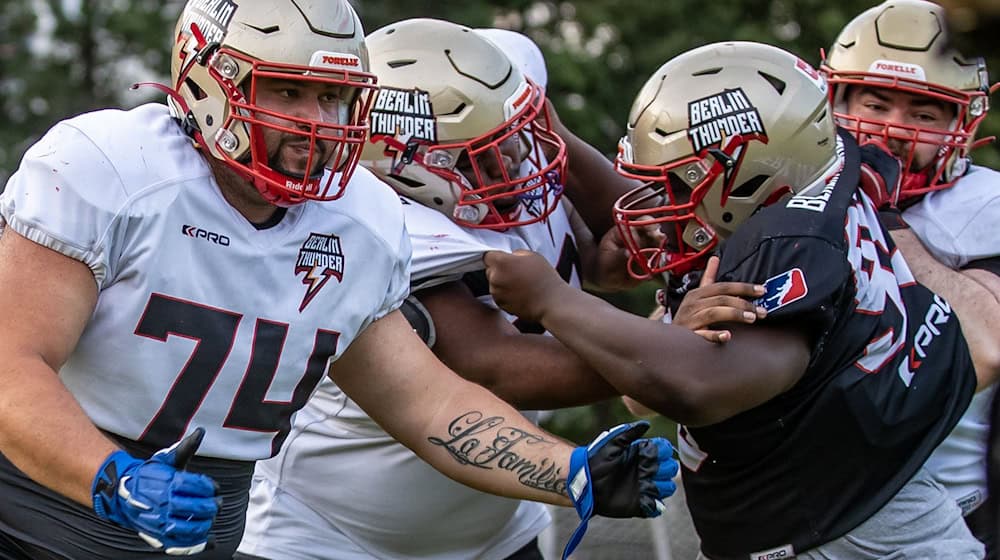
(420, 319)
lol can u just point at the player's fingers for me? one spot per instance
(714, 336)
(187, 447)
(724, 301)
(723, 314)
(711, 269)
(193, 485)
(491, 258)
(193, 508)
(188, 532)
(738, 289)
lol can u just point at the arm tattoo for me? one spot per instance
(487, 443)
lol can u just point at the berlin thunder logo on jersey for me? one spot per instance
(720, 116)
(405, 114)
(320, 258)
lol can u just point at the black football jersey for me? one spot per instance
(889, 376)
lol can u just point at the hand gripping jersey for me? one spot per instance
(960, 225)
(377, 498)
(201, 319)
(889, 376)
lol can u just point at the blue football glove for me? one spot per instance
(620, 475)
(171, 509)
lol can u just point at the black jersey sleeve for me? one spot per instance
(804, 278)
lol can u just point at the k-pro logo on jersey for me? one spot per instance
(320, 258)
(783, 289)
(201, 233)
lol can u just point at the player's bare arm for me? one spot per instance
(710, 304)
(47, 300)
(530, 371)
(419, 401)
(973, 294)
(689, 379)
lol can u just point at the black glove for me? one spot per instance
(620, 475)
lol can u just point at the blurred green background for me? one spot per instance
(62, 57)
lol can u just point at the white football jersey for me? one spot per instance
(376, 498)
(959, 225)
(201, 319)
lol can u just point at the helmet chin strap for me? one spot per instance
(300, 177)
(914, 180)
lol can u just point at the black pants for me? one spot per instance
(527, 552)
(39, 524)
(981, 524)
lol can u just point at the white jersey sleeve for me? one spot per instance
(443, 251)
(201, 319)
(960, 224)
(370, 191)
(68, 196)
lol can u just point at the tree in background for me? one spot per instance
(63, 57)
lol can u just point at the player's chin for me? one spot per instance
(296, 163)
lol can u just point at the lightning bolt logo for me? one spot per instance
(320, 258)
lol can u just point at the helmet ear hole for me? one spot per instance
(411, 183)
(749, 187)
(778, 84)
(198, 93)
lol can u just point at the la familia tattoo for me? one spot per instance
(487, 443)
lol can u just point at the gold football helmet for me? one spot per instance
(223, 50)
(902, 45)
(458, 128)
(715, 134)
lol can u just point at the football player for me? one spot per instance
(895, 81)
(806, 433)
(468, 142)
(178, 280)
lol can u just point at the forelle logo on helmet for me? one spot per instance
(199, 233)
(341, 60)
(404, 113)
(895, 68)
(335, 59)
(899, 68)
(722, 115)
(515, 103)
(320, 258)
(211, 16)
